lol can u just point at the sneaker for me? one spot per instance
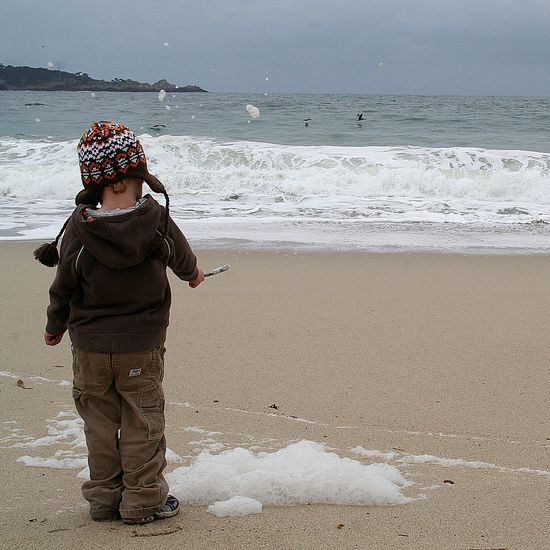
(171, 508)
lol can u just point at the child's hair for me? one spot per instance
(108, 153)
(119, 187)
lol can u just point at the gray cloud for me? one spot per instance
(429, 46)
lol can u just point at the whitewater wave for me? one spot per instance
(327, 195)
(32, 169)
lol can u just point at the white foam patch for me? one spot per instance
(531, 471)
(172, 457)
(235, 506)
(197, 430)
(274, 415)
(368, 453)
(39, 379)
(185, 404)
(208, 443)
(7, 374)
(304, 472)
(477, 465)
(14, 439)
(66, 430)
(53, 462)
(446, 462)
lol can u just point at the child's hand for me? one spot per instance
(52, 339)
(199, 279)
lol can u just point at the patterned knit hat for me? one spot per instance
(109, 152)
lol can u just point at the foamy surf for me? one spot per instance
(305, 195)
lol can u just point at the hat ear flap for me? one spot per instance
(89, 195)
(158, 245)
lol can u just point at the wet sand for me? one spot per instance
(441, 355)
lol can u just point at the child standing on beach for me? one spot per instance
(111, 292)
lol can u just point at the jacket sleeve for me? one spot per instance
(64, 284)
(182, 260)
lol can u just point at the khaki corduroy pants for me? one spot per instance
(120, 398)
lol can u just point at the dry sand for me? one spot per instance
(427, 354)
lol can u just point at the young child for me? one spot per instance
(111, 292)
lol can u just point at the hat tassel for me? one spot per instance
(47, 254)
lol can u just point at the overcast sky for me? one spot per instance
(475, 47)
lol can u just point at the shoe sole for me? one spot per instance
(170, 514)
(150, 519)
(170, 501)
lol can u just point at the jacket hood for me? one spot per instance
(119, 241)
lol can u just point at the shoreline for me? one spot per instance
(411, 239)
(241, 246)
(441, 359)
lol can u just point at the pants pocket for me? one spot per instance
(151, 406)
(91, 371)
(77, 377)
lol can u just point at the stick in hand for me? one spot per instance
(217, 270)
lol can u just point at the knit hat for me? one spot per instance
(108, 152)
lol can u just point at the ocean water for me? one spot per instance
(464, 174)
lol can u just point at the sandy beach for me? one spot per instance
(418, 355)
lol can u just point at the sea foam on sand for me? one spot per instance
(238, 481)
(301, 473)
(235, 506)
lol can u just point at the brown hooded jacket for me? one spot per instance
(110, 294)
